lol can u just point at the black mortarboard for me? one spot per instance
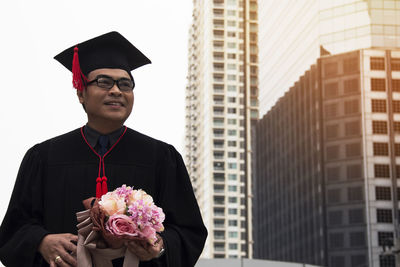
(110, 50)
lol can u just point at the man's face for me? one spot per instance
(106, 106)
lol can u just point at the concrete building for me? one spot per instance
(294, 33)
(221, 108)
(328, 164)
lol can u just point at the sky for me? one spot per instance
(38, 101)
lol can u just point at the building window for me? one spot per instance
(232, 223)
(219, 188)
(232, 177)
(336, 240)
(395, 64)
(232, 199)
(232, 166)
(396, 106)
(352, 128)
(233, 246)
(218, 132)
(353, 150)
(219, 177)
(379, 127)
(381, 149)
(334, 195)
(379, 105)
(219, 166)
(384, 216)
(331, 69)
(387, 261)
(231, 154)
(332, 131)
(219, 246)
(381, 171)
(396, 85)
(218, 100)
(383, 193)
(232, 99)
(351, 106)
(231, 110)
(332, 173)
(355, 193)
(351, 86)
(232, 211)
(219, 235)
(232, 143)
(354, 171)
(358, 260)
(377, 63)
(232, 88)
(232, 132)
(383, 237)
(332, 152)
(396, 126)
(331, 110)
(233, 234)
(218, 200)
(331, 90)
(218, 143)
(356, 216)
(218, 223)
(398, 172)
(350, 65)
(337, 261)
(378, 84)
(357, 239)
(397, 149)
(219, 212)
(335, 217)
(218, 45)
(232, 188)
(218, 154)
(232, 121)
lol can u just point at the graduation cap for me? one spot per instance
(110, 50)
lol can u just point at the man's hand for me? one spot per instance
(143, 250)
(58, 250)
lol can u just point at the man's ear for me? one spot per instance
(81, 96)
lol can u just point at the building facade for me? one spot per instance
(221, 110)
(328, 164)
(294, 33)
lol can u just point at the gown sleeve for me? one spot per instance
(185, 233)
(21, 230)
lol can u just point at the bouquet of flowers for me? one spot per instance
(131, 213)
(122, 215)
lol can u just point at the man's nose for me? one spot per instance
(115, 90)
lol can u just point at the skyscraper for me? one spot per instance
(293, 34)
(221, 110)
(328, 164)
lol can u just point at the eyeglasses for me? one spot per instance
(107, 82)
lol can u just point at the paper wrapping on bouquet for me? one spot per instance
(92, 251)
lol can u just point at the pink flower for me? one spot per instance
(119, 225)
(149, 233)
(111, 203)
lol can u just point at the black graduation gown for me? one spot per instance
(56, 175)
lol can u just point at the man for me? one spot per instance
(39, 228)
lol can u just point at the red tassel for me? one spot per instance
(98, 188)
(104, 188)
(77, 75)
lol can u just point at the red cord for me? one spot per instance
(101, 182)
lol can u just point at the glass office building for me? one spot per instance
(293, 34)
